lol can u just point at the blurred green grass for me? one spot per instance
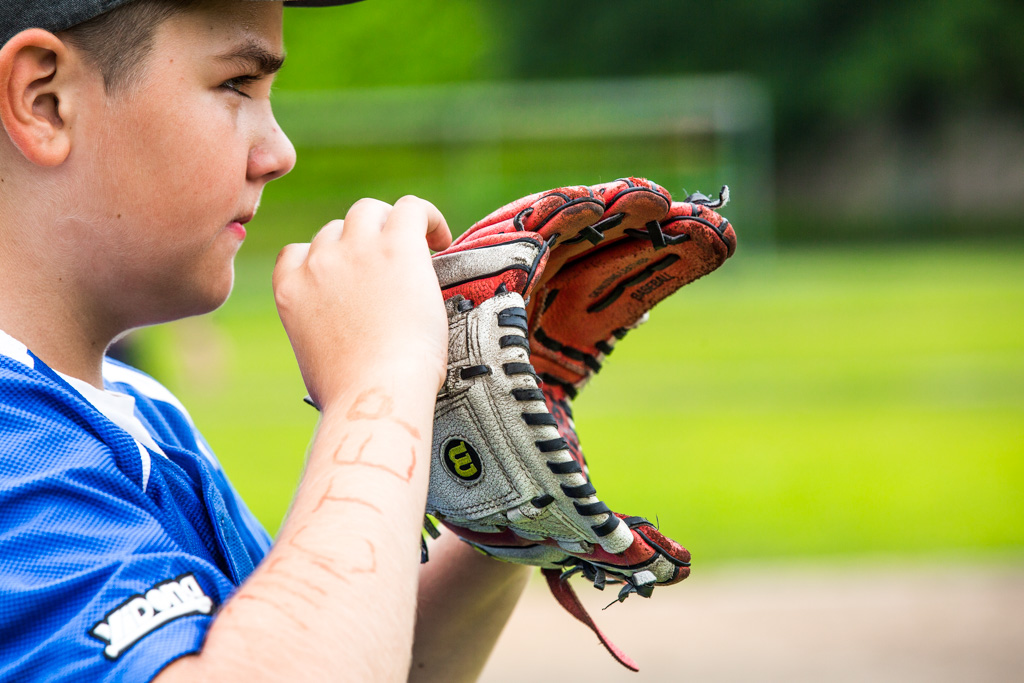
(805, 402)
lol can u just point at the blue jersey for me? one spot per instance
(113, 558)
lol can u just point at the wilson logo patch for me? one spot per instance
(140, 614)
(462, 461)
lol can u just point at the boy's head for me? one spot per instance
(136, 143)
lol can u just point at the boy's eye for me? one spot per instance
(239, 83)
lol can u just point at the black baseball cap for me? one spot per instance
(58, 15)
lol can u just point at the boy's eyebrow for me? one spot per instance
(253, 55)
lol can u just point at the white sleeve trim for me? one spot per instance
(158, 392)
(145, 384)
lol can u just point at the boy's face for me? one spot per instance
(174, 161)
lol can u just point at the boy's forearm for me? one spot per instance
(465, 599)
(336, 596)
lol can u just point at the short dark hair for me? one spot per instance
(118, 42)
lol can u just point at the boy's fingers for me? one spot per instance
(365, 218)
(439, 236)
(290, 258)
(329, 233)
(409, 216)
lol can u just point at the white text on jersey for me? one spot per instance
(141, 614)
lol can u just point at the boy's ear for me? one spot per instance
(34, 94)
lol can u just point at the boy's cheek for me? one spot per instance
(167, 171)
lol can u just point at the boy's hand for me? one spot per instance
(361, 301)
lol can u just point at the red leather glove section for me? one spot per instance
(599, 297)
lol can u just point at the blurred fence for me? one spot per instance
(471, 148)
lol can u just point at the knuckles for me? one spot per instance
(284, 295)
(369, 203)
(368, 211)
(410, 199)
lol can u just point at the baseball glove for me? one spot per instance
(538, 294)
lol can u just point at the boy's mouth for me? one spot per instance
(237, 228)
(237, 225)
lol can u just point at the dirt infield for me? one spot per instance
(955, 622)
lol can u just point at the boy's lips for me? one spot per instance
(237, 226)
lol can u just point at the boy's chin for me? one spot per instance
(219, 295)
(204, 298)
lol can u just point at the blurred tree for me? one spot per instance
(827, 62)
(388, 42)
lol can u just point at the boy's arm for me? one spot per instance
(465, 598)
(336, 595)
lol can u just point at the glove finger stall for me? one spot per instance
(538, 213)
(593, 302)
(629, 204)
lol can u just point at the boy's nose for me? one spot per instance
(271, 157)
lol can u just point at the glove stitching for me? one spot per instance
(568, 388)
(517, 220)
(540, 419)
(549, 299)
(635, 188)
(664, 240)
(528, 394)
(568, 203)
(660, 550)
(514, 340)
(487, 276)
(544, 247)
(718, 229)
(474, 371)
(512, 317)
(568, 351)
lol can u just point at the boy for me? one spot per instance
(137, 141)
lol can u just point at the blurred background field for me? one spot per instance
(809, 402)
(849, 386)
